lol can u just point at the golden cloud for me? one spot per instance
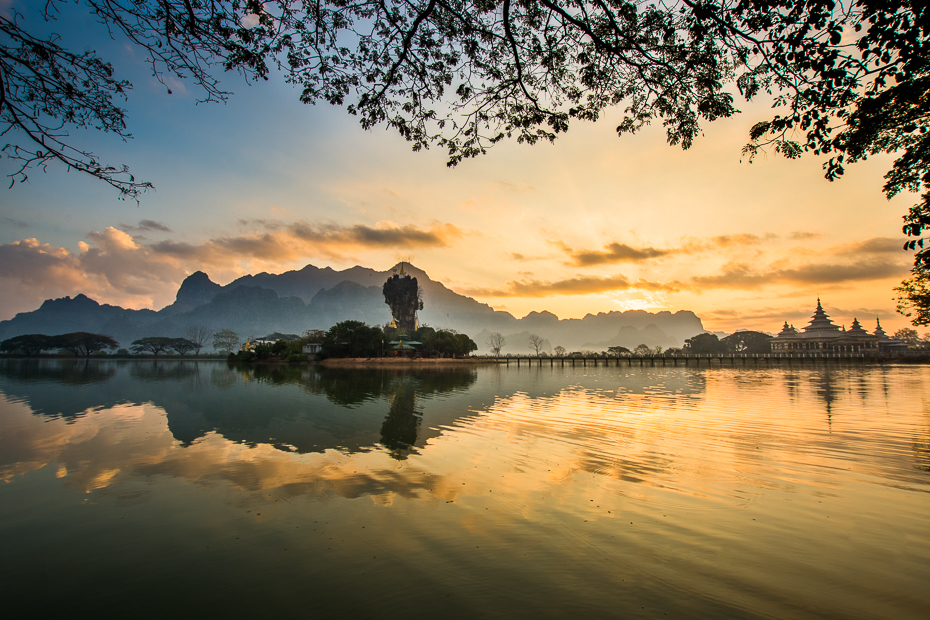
(743, 276)
(115, 267)
(616, 253)
(280, 243)
(580, 285)
(875, 245)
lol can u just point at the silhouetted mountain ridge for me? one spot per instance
(317, 298)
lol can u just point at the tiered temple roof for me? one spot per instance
(822, 335)
(821, 326)
(878, 329)
(856, 331)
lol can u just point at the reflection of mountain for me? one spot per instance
(293, 408)
(313, 298)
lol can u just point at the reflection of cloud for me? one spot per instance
(97, 450)
(744, 276)
(580, 285)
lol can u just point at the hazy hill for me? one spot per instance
(314, 298)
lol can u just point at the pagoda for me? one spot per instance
(822, 336)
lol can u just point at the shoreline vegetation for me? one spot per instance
(406, 361)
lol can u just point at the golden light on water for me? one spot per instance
(732, 488)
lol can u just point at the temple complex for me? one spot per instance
(823, 336)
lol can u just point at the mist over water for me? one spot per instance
(155, 488)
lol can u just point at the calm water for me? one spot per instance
(147, 489)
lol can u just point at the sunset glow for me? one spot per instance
(592, 223)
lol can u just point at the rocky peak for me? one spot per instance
(196, 290)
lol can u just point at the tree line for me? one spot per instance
(78, 343)
(354, 339)
(739, 342)
(86, 343)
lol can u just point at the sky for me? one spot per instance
(591, 223)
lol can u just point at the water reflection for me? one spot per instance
(199, 398)
(312, 410)
(483, 492)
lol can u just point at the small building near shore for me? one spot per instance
(311, 348)
(823, 336)
(405, 346)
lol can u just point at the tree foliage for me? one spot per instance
(79, 343)
(226, 340)
(747, 342)
(85, 343)
(48, 90)
(181, 346)
(152, 344)
(704, 343)
(29, 345)
(444, 342)
(352, 339)
(849, 79)
(908, 335)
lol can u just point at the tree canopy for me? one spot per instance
(29, 344)
(85, 343)
(849, 79)
(704, 343)
(352, 339)
(444, 341)
(225, 340)
(747, 341)
(151, 344)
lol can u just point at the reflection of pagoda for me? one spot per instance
(823, 336)
(402, 294)
(401, 426)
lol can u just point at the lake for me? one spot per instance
(149, 489)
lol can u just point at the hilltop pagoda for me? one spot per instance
(402, 294)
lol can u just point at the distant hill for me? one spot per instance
(315, 298)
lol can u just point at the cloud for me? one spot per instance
(615, 253)
(742, 239)
(580, 285)
(146, 225)
(744, 276)
(282, 244)
(113, 267)
(800, 235)
(875, 245)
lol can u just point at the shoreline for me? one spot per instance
(405, 361)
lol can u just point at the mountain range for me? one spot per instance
(317, 298)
